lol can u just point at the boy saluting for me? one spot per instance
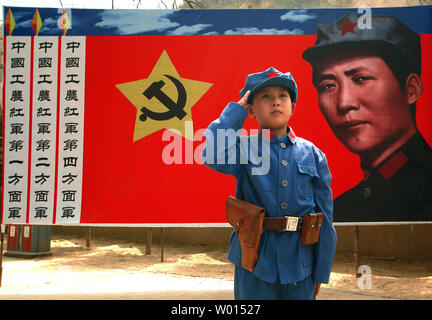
(295, 183)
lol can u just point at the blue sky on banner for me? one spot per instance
(93, 4)
(201, 22)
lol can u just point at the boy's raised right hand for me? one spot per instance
(244, 99)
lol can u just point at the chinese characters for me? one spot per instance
(71, 130)
(44, 129)
(17, 128)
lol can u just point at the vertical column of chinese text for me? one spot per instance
(44, 129)
(17, 128)
(71, 130)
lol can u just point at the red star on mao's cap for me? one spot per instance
(272, 74)
(348, 26)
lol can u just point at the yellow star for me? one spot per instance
(163, 100)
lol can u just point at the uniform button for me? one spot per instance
(284, 183)
(283, 145)
(284, 162)
(366, 192)
(311, 170)
(284, 205)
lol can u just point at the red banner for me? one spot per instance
(144, 99)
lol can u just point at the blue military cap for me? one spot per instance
(270, 77)
(386, 34)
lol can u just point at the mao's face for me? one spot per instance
(362, 101)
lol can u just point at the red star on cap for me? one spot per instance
(348, 26)
(272, 74)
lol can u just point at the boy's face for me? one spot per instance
(272, 107)
(362, 101)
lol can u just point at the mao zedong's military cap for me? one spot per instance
(384, 33)
(270, 77)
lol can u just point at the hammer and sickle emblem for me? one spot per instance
(175, 109)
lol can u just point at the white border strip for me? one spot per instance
(16, 142)
(44, 129)
(71, 130)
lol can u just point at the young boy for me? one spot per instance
(297, 183)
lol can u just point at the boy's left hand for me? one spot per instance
(317, 288)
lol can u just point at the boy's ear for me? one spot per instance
(293, 106)
(250, 110)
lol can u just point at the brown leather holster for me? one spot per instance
(247, 220)
(311, 227)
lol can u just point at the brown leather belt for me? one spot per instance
(285, 223)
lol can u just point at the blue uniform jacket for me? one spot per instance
(297, 183)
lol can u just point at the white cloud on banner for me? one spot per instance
(253, 30)
(51, 22)
(132, 22)
(187, 30)
(298, 16)
(94, 4)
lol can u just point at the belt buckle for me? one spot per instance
(292, 223)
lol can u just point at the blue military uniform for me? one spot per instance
(297, 183)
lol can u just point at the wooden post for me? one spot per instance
(1, 253)
(88, 237)
(162, 243)
(148, 241)
(356, 231)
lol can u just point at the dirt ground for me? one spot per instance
(112, 269)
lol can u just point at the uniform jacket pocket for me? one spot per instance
(306, 173)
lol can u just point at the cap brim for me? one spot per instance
(276, 81)
(316, 53)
